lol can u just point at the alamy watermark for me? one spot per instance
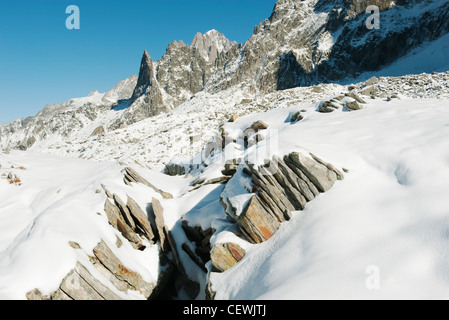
(373, 21)
(372, 282)
(73, 20)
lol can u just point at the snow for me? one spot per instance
(57, 202)
(390, 212)
(387, 218)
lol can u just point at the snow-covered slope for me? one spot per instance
(56, 204)
(387, 215)
(377, 231)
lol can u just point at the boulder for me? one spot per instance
(99, 130)
(368, 91)
(233, 118)
(353, 105)
(297, 116)
(79, 284)
(259, 125)
(355, 97)
(256, 222)
(371, 81)
(225, 255)
(107, 258)
(230, 169)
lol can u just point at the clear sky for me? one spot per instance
(42, 62)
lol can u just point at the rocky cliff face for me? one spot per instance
(309, 42)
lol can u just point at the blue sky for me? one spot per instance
(42, 62)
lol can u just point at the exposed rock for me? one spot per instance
(211, 44)
(173, 169)
(297, 116)
(201, 239)
(229, 169)
(320, 175)
(233, 118)
(259, 125)
(74, 245)
(353, 105)
(125, 212)
(255, 223)
(140, 218)
(105, 255)
(225, 255)
(158, 212)
(355, 97)
(185, 247)
(97, 131)
(116, 219)
(371, 81)
(131, 175)
(279, 187)
(106, 191)
(219, 180)
(179, 277)
(328, 106)
(210, 293)
(367, 91)
(79, 284)
(36, 295)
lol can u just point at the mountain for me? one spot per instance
(224, 228)
(309, 42)
(180, 73)
(69, 120)
(211, 44)
(302, 43)
(314, 153)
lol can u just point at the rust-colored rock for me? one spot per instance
(225, 255)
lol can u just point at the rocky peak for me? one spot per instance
(210, 44)
(146, 76)
(122, 91)
(93, 93)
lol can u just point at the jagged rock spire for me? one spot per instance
(146, 76)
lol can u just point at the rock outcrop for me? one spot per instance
(277, 188)
(225, 255)
(176, 277)
(83, 281)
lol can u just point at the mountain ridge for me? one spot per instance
(301, 43)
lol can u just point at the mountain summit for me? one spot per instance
(211, 44)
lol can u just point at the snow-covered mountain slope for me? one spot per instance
(73, 119)
(181, 134)
(358, 198)
(388, 218)
(55, 205)
(387, 214)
